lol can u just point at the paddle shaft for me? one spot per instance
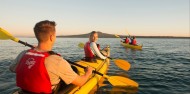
(119, 37)
(128, 34)
(110, 58)
(26, 44)
(84, 67)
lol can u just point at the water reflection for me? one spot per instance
(117, 90)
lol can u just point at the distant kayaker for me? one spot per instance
(126, 40)
(92, 49)
(39, 70)
(133, 41)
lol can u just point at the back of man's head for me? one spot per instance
(44, 29)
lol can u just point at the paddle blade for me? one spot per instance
(4, 35)
(81, 45)
(122, 81)
(117, 36)
(122, 64)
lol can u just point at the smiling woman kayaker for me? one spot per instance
(39, 70)
(92, 49)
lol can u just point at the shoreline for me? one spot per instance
(121, 37)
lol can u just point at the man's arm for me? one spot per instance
(69, 76)
(81, 80)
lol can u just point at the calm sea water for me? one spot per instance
(162, 67)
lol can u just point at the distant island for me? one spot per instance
(100, 35)
(105, 35)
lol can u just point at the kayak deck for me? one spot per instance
(139, 47)
(100, 66)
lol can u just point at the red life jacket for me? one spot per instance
(134, 42)
(88, 51)
(126, 40)
(31, 74)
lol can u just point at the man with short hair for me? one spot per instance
(39, 70)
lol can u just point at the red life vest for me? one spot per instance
(31, 74)
(126, 40)
(88, 51)
(134, 42)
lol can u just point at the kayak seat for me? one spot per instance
(90, 60)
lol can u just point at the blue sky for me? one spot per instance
(138, 17)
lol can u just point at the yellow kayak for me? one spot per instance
(100, 66)
(139, 47)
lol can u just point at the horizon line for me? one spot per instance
(78, 36)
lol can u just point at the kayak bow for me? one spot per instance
(138, 47)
